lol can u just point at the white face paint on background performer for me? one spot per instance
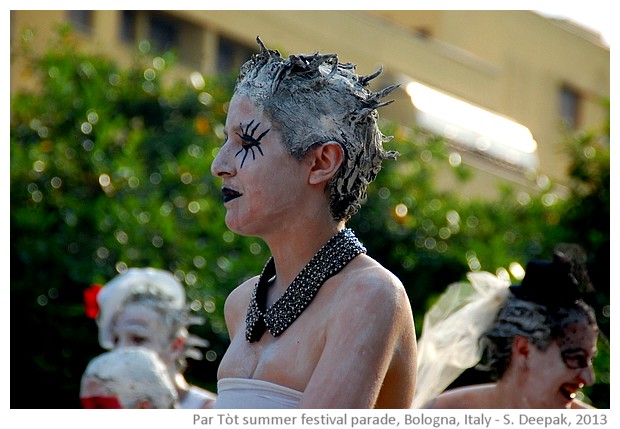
(146, 307)
(127, 378)
(324, 325)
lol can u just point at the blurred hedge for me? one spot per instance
(109, 169)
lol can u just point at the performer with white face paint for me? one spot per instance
(537, 338)
(146, 307)
(127, 378)
(324, 325)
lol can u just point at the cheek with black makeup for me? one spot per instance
(249, 142)
(577, 345)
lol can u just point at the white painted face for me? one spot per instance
(315, 99)
(140, 325)
(263, 185)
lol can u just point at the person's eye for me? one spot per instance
(139, 340)
(576, 360)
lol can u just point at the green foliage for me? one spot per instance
(110, 168)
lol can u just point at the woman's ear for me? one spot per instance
(324, 160)
(521, 350)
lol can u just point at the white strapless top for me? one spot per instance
(249, 393)
(196, 398)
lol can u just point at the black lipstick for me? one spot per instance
(230, 194)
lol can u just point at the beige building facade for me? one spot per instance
(501, 86)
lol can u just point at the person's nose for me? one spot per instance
(122, 342)
(222, 165)
(586, 375)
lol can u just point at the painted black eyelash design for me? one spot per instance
(249, 142)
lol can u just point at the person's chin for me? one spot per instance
(232, 224)
(235, 225)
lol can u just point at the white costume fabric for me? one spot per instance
(132, 374)
(196, 398)
(451, 330)
(257, 394)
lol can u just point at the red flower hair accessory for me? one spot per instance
(91, 308)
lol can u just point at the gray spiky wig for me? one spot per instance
(315, 99)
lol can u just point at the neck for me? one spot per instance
(291, 251)
(277, 315)
(508, 390)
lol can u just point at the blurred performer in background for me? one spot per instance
(127, 378)
(537, 338)
(146, 307)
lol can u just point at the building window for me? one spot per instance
(128, 26)
(82, 20)
(163, 33)
(570, 102)
(231, 55)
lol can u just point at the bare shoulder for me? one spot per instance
(240, 296)
(366, 290)
(366, 328)
(366, 279)
(463, 397)
(236, 304)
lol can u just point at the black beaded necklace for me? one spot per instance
(329, 260)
